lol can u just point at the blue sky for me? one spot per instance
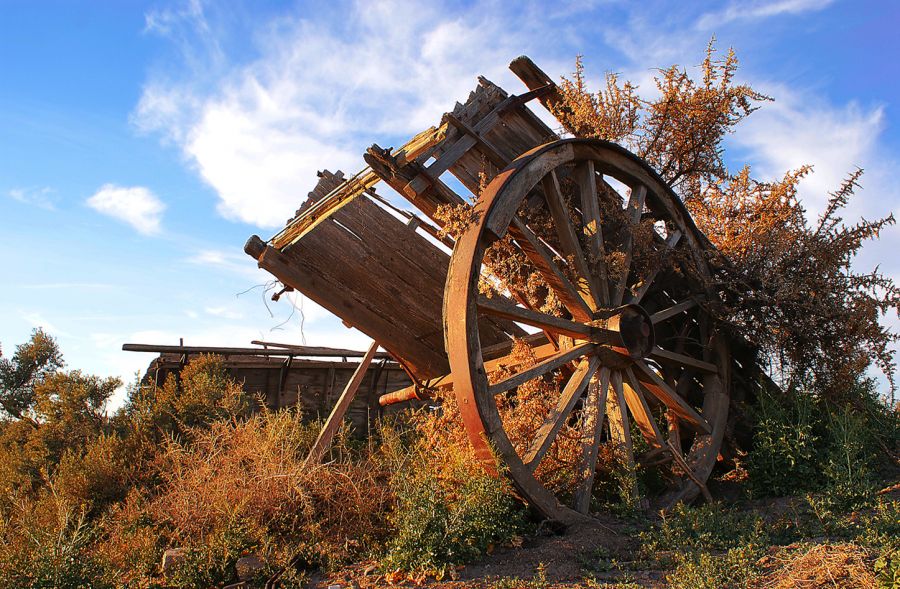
(141, 143)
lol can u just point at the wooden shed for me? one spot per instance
(310, 377)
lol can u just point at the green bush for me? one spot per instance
(439, 525)
(880, 530)
(803, 444)
(783, 459)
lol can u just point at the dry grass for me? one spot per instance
(820, 565)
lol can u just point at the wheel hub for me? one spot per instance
(632, 323)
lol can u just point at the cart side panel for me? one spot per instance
(378, 275)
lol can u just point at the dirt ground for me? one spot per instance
(549, 559)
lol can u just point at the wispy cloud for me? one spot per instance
(37, 320)
(68, 286)
(744, 11)
(134, 205)
(231, 262)
(224, 312)
(39, 197)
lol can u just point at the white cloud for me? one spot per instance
(39, 197)
(223, 312)
(800, 128)
(320, 92)
(744, 10)
(135, 205)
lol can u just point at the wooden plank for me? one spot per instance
(682, 359)
(538, 254)
(423, 359)
(323, 442)
(620, 427)
(500, 308)
(671, 242)
(633, 213)
(585, 176)
(285, 350)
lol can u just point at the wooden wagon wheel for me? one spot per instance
(625, 290)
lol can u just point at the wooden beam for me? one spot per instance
(323, 442)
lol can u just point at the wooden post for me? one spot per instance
(323, 442)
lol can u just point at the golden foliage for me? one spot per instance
(789, 284)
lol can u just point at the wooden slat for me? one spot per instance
(542, 367)
(323, 442)
(538, 254)
(673, 310)
(568, 240)
(662, 391)
(633, 213)
(590, 443)
(590, 212)
(573, 390)
(661, 354)
(500, 308)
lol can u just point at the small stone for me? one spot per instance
(172, 558)
(247, 567)
(335, 586)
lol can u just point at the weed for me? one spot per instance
(703, 570)
(710, 527)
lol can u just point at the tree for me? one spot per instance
(788, 283)
(33, 361)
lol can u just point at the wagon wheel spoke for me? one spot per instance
(633, 215)
(557, 417)
(592, 430)
(662, 391)
(671, 243)
(662, 355)
(685, 382)
(568, 240)
(619, 425)
(546, 365)
(538, 254)
(544, 321)
(639, 409)
(673, 310)
(586, 178)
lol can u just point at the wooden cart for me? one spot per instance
(574, 248)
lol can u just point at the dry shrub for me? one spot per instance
(47, 542)
(821, 565)
(132, 543)
(251, 475)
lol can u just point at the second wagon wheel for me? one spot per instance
(585, 243)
